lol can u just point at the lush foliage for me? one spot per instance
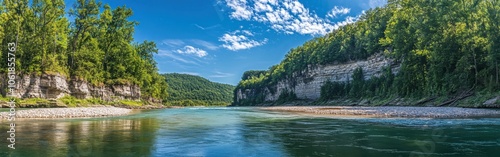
(189, 90)
(252, 73)
(286, 96)
(96, 46)
(444, 48)
(358, 87)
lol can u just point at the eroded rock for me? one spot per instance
(307, 84)
(55, 86)
(491, 102)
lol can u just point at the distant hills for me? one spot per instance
(190, 90)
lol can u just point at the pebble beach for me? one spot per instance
(391, 111)
(79, 112)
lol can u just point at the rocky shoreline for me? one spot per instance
(390, 111)
(79, 112)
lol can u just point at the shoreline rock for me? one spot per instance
(390, 111)
(55, 86)
(307, 83)
(79, 112)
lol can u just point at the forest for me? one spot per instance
(96, 45)
(445, 48)
(190, 90)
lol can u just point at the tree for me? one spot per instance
(358, 82)
(116, 43)
(14, 16)
(84, 55)
(50, 34)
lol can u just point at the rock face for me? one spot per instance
(491, 102)
(307, 84)
(54, 86)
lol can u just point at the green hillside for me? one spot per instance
(447, 49)
(189, 90)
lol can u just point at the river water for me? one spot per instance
(251, 132)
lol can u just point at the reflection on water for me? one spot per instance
(83, 137)
(251, 132)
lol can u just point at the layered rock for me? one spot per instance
(307, 84)
(54, 86)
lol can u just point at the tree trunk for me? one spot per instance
(475, 68)
(496, 67)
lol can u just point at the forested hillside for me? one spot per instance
(189, 90)
(96, 46)
(445, 48)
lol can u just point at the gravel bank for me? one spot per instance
(68, 112)
(390, 111)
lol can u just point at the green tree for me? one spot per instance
(84, 55)
(116, 44)
(358, 82)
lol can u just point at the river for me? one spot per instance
(220, 131)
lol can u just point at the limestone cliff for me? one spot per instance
(307, 84)
(54, 86)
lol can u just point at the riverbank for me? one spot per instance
(390, 111)
(78, 112)
(71, 102)
(478, 100)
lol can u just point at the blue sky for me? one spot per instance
(221, 39)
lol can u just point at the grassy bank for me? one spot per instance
(69, 101)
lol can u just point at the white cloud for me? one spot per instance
(247, 32)
(178, 43)
(262, 6)
(206, 44)
(241, 10)
(200, 27)
(348, 20)
(287, 16)
(192, 50)
(338, 11)
(166, 53)
(238, 41)
(207, 28)
(172, 42)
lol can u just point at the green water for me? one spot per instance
(251, 132)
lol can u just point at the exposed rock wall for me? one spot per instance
(57, 86)
(307, 84)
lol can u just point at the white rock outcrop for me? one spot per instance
(307, 83)
(54, 86)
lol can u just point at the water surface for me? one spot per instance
(251, 132)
